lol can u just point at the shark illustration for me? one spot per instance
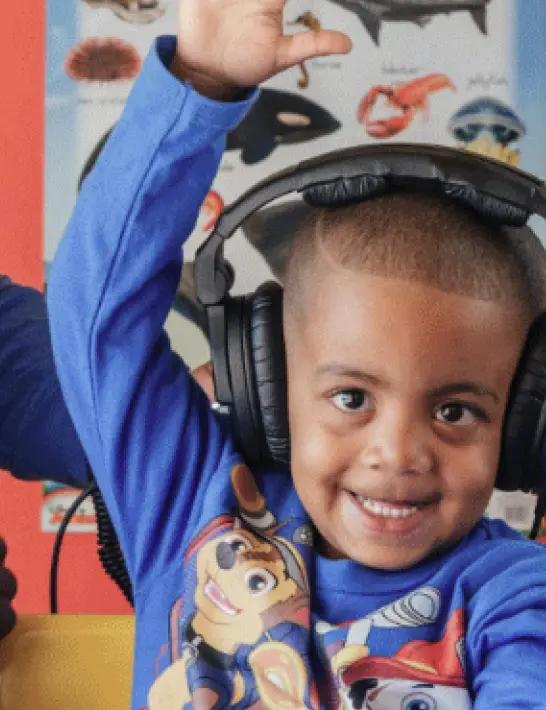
(372, 12)
(279, 118)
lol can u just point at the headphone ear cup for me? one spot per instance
(269, 360)
(524, 424)
(245, 412)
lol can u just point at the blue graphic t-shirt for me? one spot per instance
(234, 607)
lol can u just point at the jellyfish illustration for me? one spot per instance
(488, 126)
(103, 59)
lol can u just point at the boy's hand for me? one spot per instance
(226, 46)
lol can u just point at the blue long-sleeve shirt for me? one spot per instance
(233, 604)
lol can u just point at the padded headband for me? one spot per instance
(505, 195)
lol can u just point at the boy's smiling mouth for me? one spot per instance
(393, 516)
(385, 509)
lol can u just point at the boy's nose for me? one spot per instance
(397, 445)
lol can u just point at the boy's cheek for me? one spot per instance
(315, 448)
(466, 493)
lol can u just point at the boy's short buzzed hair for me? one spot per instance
(417, 236)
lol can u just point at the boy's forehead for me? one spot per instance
(325, 283)
(370, 321)
(348, 295)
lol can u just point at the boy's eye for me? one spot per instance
(458, 414)
(351, 400)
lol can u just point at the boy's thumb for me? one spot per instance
(296, 48)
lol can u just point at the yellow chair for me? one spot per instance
(67, 662)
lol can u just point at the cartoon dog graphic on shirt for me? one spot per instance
(249, 581)
(422, 674)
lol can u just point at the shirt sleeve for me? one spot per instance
(148, 430)
(506, 636)
(37, 438)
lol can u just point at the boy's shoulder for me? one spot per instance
(495, 532)
(493, 538)
(499, 555)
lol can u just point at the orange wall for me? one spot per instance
(83, 586)
(21, 139)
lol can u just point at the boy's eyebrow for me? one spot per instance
(334, 368)
(458, 387)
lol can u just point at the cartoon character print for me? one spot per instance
(238, 648)
(422, 675)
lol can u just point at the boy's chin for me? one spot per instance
(384, 557)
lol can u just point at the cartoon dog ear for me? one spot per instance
(293, 562)
(252, 507)
(271, 230)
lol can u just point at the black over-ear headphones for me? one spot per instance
(246, 332)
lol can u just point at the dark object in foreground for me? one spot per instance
(8, 587)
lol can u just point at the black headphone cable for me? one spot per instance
(109, 551)
(54, 568)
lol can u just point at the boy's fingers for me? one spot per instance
(293, 49)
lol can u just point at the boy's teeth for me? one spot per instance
(385, 510)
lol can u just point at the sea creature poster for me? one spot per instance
(466, 73)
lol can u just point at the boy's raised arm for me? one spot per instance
(146, 428)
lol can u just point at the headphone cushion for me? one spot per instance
(348, 190)
(524, 425)
(268, 355)
(245, 406)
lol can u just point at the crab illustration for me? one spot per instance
(213, 204)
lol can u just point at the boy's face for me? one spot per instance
(397, 392)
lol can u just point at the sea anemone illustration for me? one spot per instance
(103, 59)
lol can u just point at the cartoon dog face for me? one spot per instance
(383, 694)
(240, 576)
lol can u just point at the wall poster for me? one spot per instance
(467, 73)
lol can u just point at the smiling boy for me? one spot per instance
(369, 579)
(404, 462)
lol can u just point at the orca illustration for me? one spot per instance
(279, 118)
